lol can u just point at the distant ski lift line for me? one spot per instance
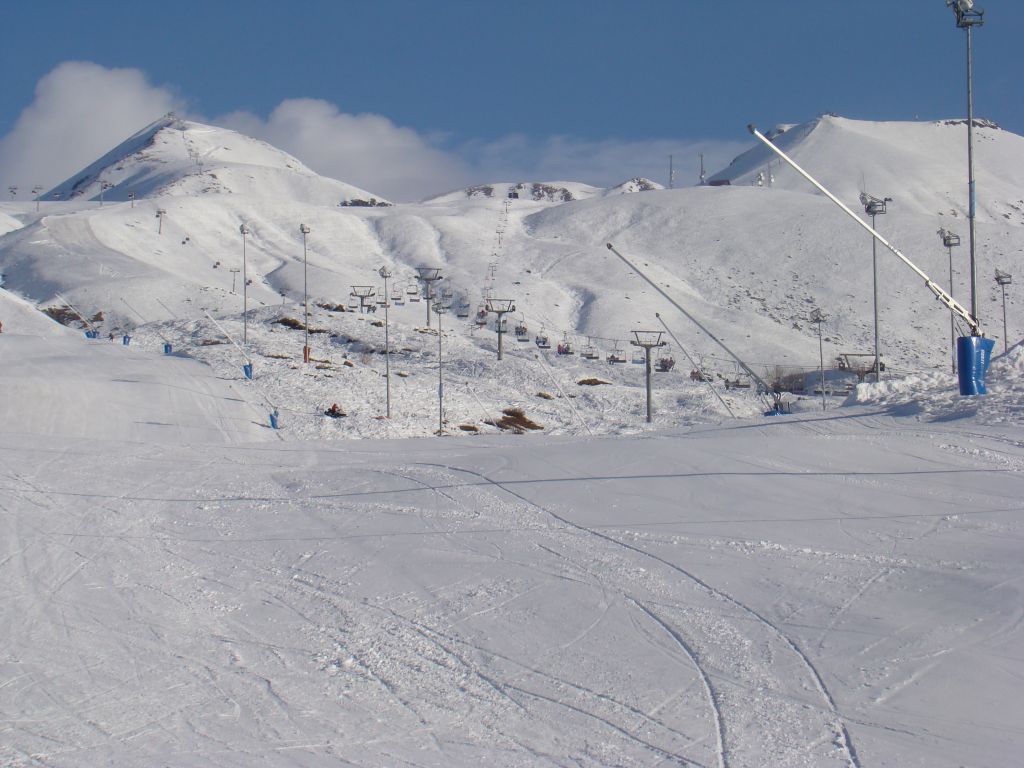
(952, 304)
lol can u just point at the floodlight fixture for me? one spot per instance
(500, 307)
(648, 340)
(966, 14)
(305, 292)
(428, 275)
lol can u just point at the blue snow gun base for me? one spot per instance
(973, 355)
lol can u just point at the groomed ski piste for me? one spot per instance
(185, 585)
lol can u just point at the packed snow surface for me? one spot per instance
(186, 585)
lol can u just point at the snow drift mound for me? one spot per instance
(936, 397)
(172, 156)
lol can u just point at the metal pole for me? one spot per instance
(305, 293)
(647, 360)
(970, 174)
(440, 381)
(952, 321)
(501, 316)
(387, 342)
(245, 292)
(426, 297)
(821, 366)
(1003, 286)
(874, 272)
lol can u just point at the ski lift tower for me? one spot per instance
(363, 293)
(429, 276)
(873, 207)
(1003, 279)
(647, 340)
(951, 241)
(818, 318)
(500, 307)
(967, 18)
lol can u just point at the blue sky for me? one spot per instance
(512, 87)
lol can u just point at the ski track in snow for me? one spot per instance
(842, 733)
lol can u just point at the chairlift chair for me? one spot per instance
(639, 358)
(522, 332)
(616, 356)
(397, 297)
(412, 292)
(590, 351)
(353, 301)
(565, 346)
(542, 340)
(481, 315)
(463, 310)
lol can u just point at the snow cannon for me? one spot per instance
(973, 356)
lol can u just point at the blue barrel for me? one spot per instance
(126, 339)
(273, 419)
(247, 370)
(973, 355)
(167, 349)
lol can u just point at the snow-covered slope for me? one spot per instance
(749, 262)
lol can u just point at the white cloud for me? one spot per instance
(367, 150)
(81, 110)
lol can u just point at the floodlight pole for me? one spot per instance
(35, 191)
(647, 340)
(967, 18)
(234, 273)
(819, 318)
(440, 309)
(160, 213)
(428, 275)
(244, 230)
(305, 292)
(131, 197)
(386, 273)
(500, 307)
(874, 206)
(1004, 279)
(951, 240)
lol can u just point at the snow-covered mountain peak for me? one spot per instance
(921, 165)
(174, 156)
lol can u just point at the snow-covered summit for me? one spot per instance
(173, 156)
(921, 165)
